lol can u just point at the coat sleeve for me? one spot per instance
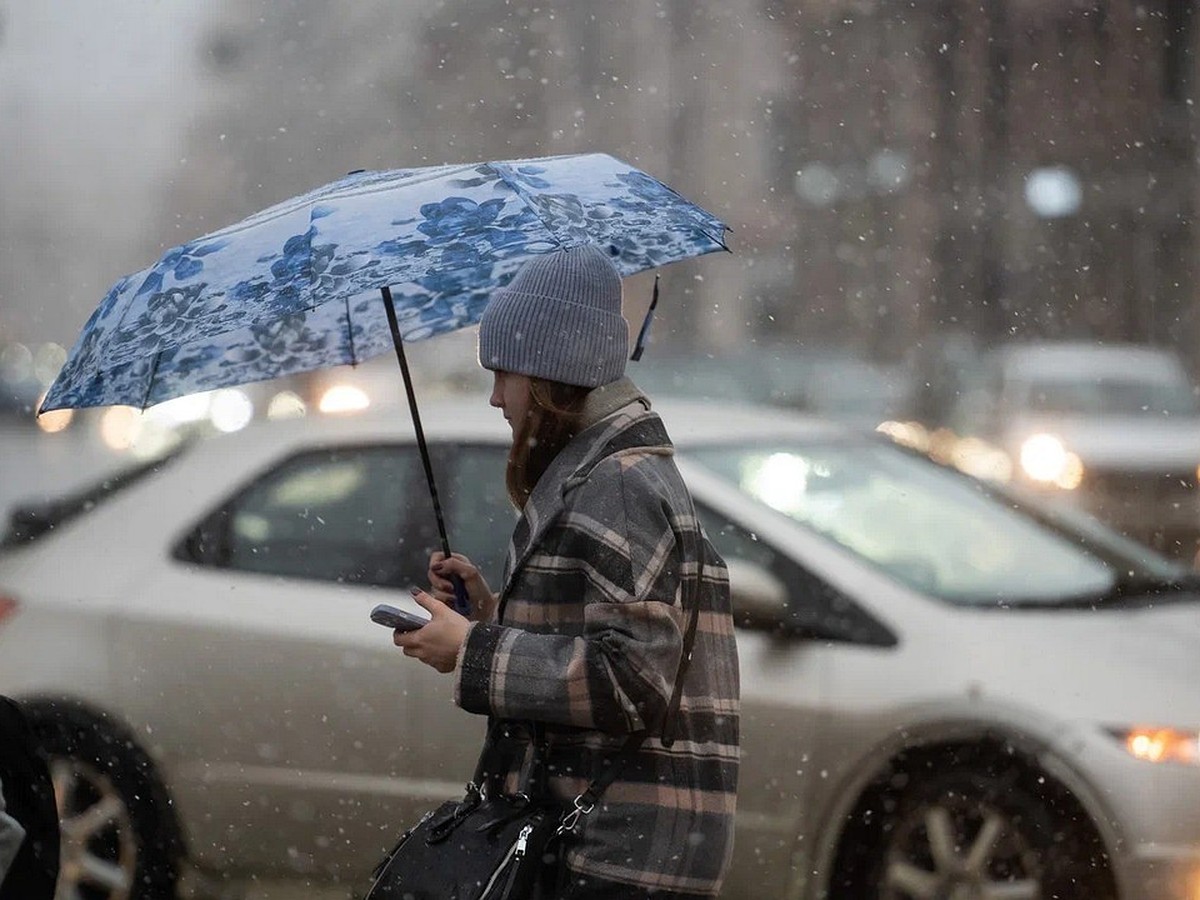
(617, 676)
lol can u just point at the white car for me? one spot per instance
(945, 693)
(1113, 429)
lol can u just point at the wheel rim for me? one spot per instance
(99, 853)
(961, 849)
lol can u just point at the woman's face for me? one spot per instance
(510, 395)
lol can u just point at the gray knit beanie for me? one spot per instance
(559, 319)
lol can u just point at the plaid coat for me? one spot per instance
(604, 563)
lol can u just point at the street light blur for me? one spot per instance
(1053, 192)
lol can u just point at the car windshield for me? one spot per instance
(928, 527)
(1112, 396)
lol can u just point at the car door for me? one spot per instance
(296, 736)
(782, 689)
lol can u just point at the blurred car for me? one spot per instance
(735, 378)
(832, 383)
(838, 385)
(946, 692)
(1113, 429)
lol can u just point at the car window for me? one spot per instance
(929, 528)
(338, 515)
(734, 542)
(479, 515)
(814, 607)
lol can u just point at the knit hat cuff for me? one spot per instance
(537, 336)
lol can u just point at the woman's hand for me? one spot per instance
(438, 643)
(442, 567)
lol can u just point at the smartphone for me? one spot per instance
(397, 619)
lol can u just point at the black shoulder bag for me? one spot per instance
(494, 846)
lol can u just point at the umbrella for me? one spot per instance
(344, 272)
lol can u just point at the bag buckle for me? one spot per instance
(570, 821)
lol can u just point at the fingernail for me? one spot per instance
(414, 591)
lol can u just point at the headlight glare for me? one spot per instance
(1045, 459)
(344, 398)
(1161, 744)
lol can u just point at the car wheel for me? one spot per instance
(968, 835)
(119, 837)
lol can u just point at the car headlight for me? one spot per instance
(231, 410)
(343, 398)
(1045, 459)
(1160, 744)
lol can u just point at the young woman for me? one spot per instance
(583, 640)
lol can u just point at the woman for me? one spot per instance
(586, 634)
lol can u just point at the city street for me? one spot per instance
(335, 307)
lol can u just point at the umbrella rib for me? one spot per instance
(501, 170)
(150, 380)
(350, 332)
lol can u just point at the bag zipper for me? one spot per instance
(516, 851)
(523, 841)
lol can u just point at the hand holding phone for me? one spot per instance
(397, 619)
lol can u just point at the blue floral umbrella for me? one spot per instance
(344, 272)
(297, 287)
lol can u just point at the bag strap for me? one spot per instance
(590, 796)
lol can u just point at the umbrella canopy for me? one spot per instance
(297, 287)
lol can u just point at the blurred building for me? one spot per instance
(891, 172)
(308, 91)
(1006, 168)
(1009, 167)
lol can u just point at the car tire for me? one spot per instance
(961, 832)
(120, 840)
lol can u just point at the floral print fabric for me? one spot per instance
(296, 287)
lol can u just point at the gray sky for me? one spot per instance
(93, 100)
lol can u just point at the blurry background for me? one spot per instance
(906, 183)
(892, 173)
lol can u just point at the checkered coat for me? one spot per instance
(604, 563)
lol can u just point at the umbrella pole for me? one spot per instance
(461, 603)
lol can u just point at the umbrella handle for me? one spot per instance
(462, 602)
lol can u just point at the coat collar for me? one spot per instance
(616, 417)
(605, 400)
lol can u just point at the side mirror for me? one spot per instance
(759, 597)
